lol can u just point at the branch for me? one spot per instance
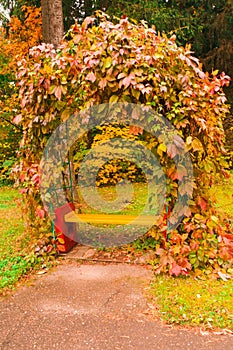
(8, 121)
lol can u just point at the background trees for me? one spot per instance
(23, 33)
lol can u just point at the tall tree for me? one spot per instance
(52, 21)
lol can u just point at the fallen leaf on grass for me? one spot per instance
(224, 276)
(42, 272)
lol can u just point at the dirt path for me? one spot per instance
(92, 307)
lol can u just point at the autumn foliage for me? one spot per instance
(105, 62)
(15, 42)
(23, 34)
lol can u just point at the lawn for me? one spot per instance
(224, 195)
(223, 192)
(188, 301)
(132, 205)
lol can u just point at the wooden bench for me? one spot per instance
(66, 219)
(109, 219)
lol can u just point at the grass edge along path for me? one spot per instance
(16, 261)
(193, 302)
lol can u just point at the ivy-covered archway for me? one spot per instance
(105, 62)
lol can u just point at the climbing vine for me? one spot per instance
(104, 62)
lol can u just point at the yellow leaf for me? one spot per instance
(48, 69)
(107, 62)
(189, 140)
(214, 219)
(113, 99)
(65, 114)
(199, 217)
(197, 145)
(136, 93)
(161, 148)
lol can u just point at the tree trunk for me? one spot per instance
(52, 21)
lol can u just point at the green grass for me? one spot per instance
(13, 242)
(133, 206)
(7, 197)
(11, 223)
(188, 301)
(223, 193)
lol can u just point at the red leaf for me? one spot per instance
(103, 83)
(228, 236)
(91, 77)
(175, 270)
(40, 213)
(202, 203)
(127, 81)
(49, 248)
(47, 84)
(36, 179)
(171, 150)
(58, 92)
(134, 130)
(17, 119)
(22, 177)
